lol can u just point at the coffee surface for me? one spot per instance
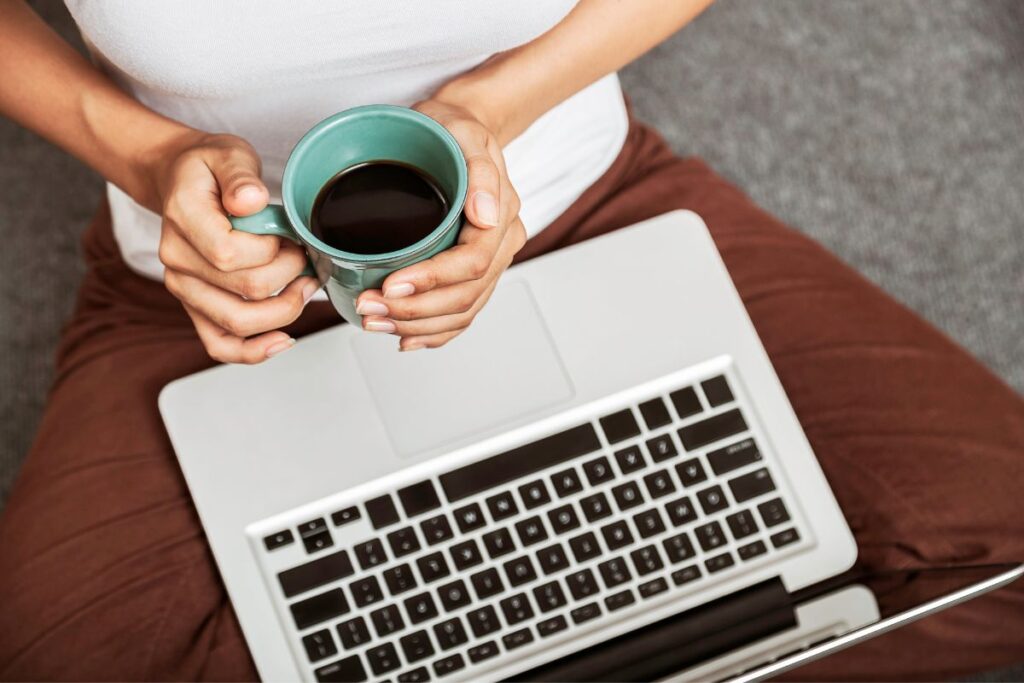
(377, 207)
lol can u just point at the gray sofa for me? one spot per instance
(890, 130)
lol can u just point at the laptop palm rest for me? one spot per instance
(483, 379)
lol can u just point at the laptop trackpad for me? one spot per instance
(503, 369)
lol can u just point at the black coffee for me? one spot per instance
(377, 207)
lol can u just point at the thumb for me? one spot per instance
(238, 176)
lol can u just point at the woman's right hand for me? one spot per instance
(238, 288)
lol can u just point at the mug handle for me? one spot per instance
(271, 221)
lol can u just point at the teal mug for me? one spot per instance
(372, 133)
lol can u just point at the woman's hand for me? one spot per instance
(226, 279)
(431, 302)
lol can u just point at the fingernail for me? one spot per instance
(411, 346)
(280, 347)
(369, 307)
(378, 326)
(251, 190)
(486, 207)
(309, 291)
(398, 290)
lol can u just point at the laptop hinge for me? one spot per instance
(679, 641)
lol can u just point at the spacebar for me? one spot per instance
(519, 462)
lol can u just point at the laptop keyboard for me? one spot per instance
(462, 571)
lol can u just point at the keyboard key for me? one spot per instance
(751, 485)
(712, 429)
(614, 572)
(751, 550)
(619, 600)
(581, 584)
(549, 596)
(383, 659)
(483, 621)
(773, 512)
(387, 620)
(345, 515)
(469, 517)
(371, 553)
(319, 572)
(453, 595)
(319, 645)
(420, 608)
(712, 499)
(627, 495)
(447, 665)
(734, 456)
(661, 448)
(566, 483)
(619, 426)
(630, 459)
(319, 608)
(785, 538)
(416, 646)
(502, 505)
(381, 511)
(366, 591)
(719, 562)
(680, 511)
(550, 627)
(419, 675)
(741, 524)
(585, 613)
(315, 542)
(598, 471)
(516, 609)
(710, 536)
(466, 555)
(433, 567)
(659, 484)
(487, 583)
(534, 494)
(584, 546)
(348, 670)
(517, 639)
(652, 588)
(403, 542)
(717, 391)
(419, 498)
(520, 571)
(531, 530)
(450, 633)
(595, 507)
(655, 413)
(483, 651)
(399, 579)
(313, 526)
(563, 519)
(646, 560)
(678, 548)
(498, 542)
(278, 540)
(686, 402)
(686, 575)
(552, 559)
(437, 529)
(691, 472)
(648, 523)
(616, 535)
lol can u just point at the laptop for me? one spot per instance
(602, 471)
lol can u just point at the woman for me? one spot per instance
(190, 113)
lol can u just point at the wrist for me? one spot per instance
(476, 93)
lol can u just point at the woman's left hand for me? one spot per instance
(431, 302)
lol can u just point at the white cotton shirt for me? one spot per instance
(268, 70)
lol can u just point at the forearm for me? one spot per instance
(513, 89)
(50, 89)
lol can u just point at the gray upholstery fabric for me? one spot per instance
(890, 130)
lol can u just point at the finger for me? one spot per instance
(432, 341)
(484, 189)
(235, 315)
(228, 348)
(237, 171)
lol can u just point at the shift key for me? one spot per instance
(751, 485)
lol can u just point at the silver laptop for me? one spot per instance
(604, 457)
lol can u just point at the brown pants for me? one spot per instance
(105, 573)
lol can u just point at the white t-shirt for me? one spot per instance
(268, 71)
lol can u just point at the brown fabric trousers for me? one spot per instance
(105, 573)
